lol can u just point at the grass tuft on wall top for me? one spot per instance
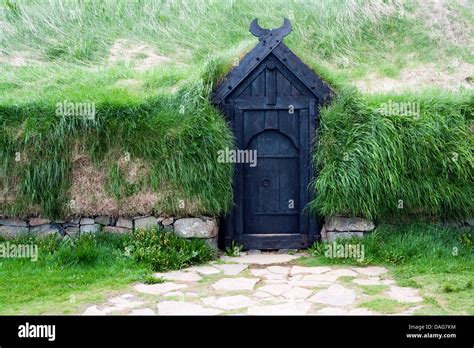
(389, 165)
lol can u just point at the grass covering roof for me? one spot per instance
(149, 68)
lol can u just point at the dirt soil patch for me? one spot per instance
(139, 54)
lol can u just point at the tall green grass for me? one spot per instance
(354, 37)
(177, 135)
(416, 248)
(395, 167)
(82, 31)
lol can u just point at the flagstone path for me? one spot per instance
(262, 284)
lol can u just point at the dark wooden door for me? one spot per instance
(271, 101)
(274, 114)
(271, 115)
(273, 194)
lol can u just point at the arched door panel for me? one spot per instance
(271, 188)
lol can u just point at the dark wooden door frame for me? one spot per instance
(234, 221)
(271, 52)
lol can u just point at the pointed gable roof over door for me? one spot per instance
(271, 43)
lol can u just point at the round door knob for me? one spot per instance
(265, 182)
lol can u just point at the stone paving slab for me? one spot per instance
(260, 284)
(344, 311)
(184, 308)
(275, 289)
(94, 310)
(205, 270)
(157, 289)
(311, 270)
(229, 302)
(262, 294)
(274, 276)
(288, 308)
(182, 276)
(279, 270)
(371, 270)
(325, 277)
(274, 281)
(126, 301)
(232, 269)
(143, 311)
(343, 272)
(260, 272)
(174, 294)
(297, 293)
(335, 295)
(404, 294)
(234, 284)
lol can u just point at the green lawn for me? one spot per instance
(70, 274)
(30, 288)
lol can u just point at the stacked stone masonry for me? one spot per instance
(340, 227)
(202, 227)
(193, 227)
(345, 227)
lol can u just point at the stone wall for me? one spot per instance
(194, 227)
(202, 227)
(348, 227)
(345, 227)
